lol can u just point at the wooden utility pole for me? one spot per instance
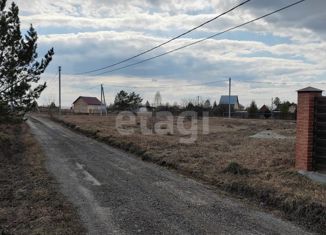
(106, 111)
(272, 107)
(60, 90)
(103, 101)
(229, 97)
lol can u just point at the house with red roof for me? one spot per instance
(84, 104)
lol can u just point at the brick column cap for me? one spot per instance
(310, 89)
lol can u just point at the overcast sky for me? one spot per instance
(287, 49)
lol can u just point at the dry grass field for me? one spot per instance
(227, 157)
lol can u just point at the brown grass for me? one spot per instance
(269, 177)
(29, 200)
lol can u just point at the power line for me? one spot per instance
(155, 87)
(204, 39)
(164, 43)
(278, 83)
(160, 87)
(201, 84)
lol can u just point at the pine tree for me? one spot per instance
(125, 101)
(19, 69)
(207, 104)
(252, 109)
(214, 105)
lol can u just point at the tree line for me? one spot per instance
(125, 101)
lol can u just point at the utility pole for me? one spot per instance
(60, 90)
(106, 111)
(272, 107)
(229, 97)
(103, 101)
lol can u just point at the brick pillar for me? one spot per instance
(305, 126)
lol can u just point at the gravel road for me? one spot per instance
(117, 193)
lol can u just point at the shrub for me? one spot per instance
(235, 169)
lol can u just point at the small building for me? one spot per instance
(143, 109)
(84, 104)
(234, 101)
(264, 109)
(265, 112)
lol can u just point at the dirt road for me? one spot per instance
(117, 193)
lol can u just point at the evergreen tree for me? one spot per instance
(121, 100)
(284, 107)
(125, 101)
(214, 105)
(190, 106)
(19, 70)
(207, 104)
(253, 109)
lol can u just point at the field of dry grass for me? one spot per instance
(227, 157)
(29, 199)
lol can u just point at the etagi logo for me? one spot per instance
(185, 125)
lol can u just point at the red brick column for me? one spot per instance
(305, 126)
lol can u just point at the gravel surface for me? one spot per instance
(117, 193)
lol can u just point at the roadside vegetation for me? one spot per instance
(30, 202)
(29, 199)
(261, 169)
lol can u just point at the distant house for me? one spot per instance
(143, 109)
(234, 101)
(264, 109)
(85, 104)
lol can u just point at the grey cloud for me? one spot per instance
(171, 15)
(310, 14)
(214, 58)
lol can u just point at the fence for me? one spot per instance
(272, 115)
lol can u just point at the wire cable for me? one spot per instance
(276, 83)
(164, 43)
(204, 39)
(160, 87)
